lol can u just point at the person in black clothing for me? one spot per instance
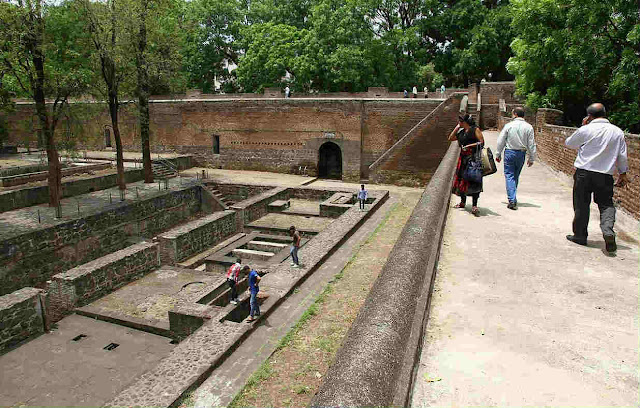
(470, 139)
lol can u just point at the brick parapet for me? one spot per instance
(21, 317)
(18, 179)
(82, 284)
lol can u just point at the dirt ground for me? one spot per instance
(293, 374)
(286, 220)
(5, 162)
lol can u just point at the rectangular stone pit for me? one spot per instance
(336, 205)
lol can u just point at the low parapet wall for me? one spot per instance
(26, 197)
(375, 365)
(21, 317)
(186, 240)
(17, 179)
(255, 207)
(80, 285)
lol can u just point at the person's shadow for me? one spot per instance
(524, 205)
(483, 212)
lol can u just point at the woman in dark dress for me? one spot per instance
(470, 139)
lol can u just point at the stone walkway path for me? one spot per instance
(522, 317)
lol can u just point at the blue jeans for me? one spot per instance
(294, 254)
(513, 163)
(253, 302)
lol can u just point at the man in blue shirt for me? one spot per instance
(254, 278)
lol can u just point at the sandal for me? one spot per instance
(475, 211)
(459, 205)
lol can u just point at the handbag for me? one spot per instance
(473, 172)
(488, 164)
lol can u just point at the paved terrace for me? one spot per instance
(522, 317)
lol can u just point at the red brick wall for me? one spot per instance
(260, 134)
(551, 149)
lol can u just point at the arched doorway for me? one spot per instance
(330, 161)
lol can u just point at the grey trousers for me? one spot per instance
(586, 183)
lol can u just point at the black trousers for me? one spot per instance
(600, 185)
(474, 198)
(232, 286)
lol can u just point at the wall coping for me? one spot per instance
(90, 267)
(375, 365)
(193, 225)
(11, 299)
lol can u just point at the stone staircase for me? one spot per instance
(414, 158)
(221, 197)
(163, 169)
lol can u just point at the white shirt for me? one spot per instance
(517, 135)
(601, 147)
(415, 90)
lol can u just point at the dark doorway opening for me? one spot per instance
(107, 137)
(216, 144)
(330, 161)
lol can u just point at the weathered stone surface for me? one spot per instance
(92, 280)
(186, 240)
(31, 255)
(21, 317)
(374, 365)
(197, 355)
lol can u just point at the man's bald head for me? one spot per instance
(597, 110)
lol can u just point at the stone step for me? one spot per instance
(279, 205)
(265, 246)
(252, 254)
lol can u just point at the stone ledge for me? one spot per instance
(18, 296)
(91, 267)
(21, 317)
(374, 366)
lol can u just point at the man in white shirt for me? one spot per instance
(602, 151)
(517, 140)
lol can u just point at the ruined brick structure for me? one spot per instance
(330, 135)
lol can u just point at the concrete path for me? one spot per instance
(54, 370)
(228, 379)
(522, 317)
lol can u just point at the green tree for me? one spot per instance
(212, 33)
(570, 53)
(153, 27)
(42, 47)
(467, 39)
(106, 35)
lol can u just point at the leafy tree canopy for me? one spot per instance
(570, 53)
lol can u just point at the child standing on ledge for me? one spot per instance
(362, 196)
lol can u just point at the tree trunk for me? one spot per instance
(113, 111)
(143, 94)
(47, 126)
